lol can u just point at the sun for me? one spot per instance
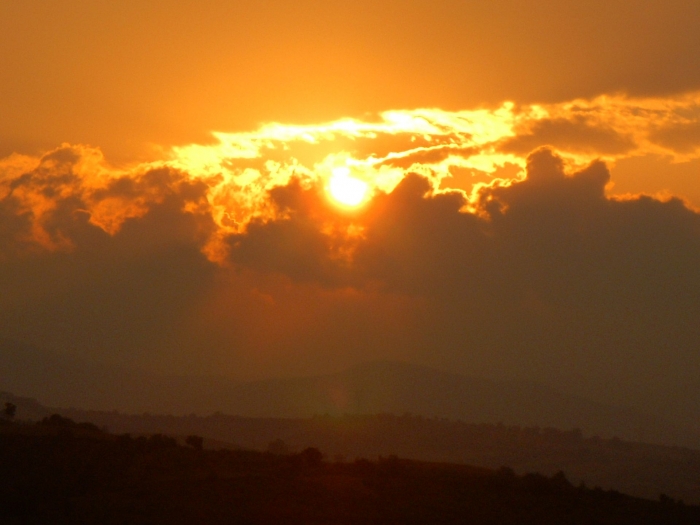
(345, 189)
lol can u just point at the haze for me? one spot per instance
(531, 174)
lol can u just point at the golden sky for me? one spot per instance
(119, 75)
(521, 180)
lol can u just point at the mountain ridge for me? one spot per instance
(369, 388)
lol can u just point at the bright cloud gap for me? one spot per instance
(456, 151)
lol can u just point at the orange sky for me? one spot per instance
(118, 75)
(165, 169)
(132, 78)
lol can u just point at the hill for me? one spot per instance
(60, 472)
(372, 388)
(635, 468)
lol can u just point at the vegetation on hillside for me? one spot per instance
(634, 468)
(59, 471)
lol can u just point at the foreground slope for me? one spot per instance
(634, 468)
(60, 472)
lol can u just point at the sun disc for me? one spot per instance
(345, 189)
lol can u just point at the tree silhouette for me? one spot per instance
(196, 442)
(312, 456)
(278, 447)
(10, 410)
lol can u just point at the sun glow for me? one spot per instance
(233, 180)
(346, 189)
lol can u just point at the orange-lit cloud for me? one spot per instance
(475, 248)
(235, 176)
(527, 202)
(232, 258)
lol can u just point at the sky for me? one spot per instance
(507, 189)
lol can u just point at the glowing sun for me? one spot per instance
(345, 189)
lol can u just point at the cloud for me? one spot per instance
(314, 64)
(232, 181)
(232, 257)
(295, 245)
(73, 184)
(576, 135)
(549, 278)
(682, 137)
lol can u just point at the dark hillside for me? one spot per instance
(63, 473)
(634, 468)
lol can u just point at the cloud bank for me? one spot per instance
(491, 244)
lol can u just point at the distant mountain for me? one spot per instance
(399, 388)
(60, 380)
(27, 408)
(371, 388)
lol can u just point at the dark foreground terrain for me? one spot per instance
(638, 469)
(60, 472)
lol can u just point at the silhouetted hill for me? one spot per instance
(62, 472)
(635, 468)
(372, 388)
(399, 388)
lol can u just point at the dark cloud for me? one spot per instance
(682, 138)
(548, 279)
(552, 280)
(68, 284)
(295, 245)
(37, 203)
(49, 205)
(575, 134)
